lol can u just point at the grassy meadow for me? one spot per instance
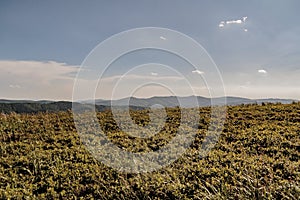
(256, 157)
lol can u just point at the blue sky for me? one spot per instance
(42, 43)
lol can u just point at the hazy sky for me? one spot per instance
(255, 44)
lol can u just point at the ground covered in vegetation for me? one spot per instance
(256, 157)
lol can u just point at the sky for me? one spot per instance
(255, 46)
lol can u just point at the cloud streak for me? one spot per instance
(234, 22)
(237, 21)
(197, 72)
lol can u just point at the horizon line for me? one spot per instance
(160, 96)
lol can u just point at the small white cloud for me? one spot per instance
(246, 30)
(197, 72)
(154, 74)
(234, 21)
(262, 71)
(162, 38)
(238, 21)
(15, 86)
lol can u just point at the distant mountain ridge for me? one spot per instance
(31, 106)
(189, 101)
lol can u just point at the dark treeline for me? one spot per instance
(39, 107)
(36, 107)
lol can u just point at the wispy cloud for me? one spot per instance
(162, 38)
(237, 21)
(154, 73)
(15, 86)
(197, 72)
(36, 79)
(137, 77)
(30, 70)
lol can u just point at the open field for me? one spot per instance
(256, 157)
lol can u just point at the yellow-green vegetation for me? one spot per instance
(256, 157)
